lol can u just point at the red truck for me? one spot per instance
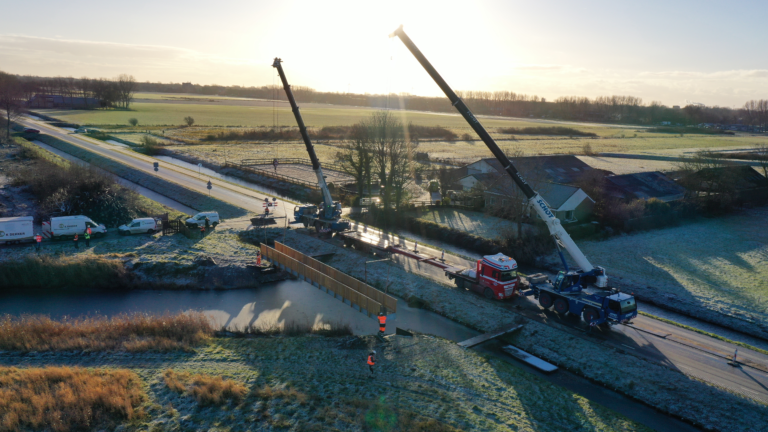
(495, 277)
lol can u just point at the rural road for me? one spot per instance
(225, 191)
(691, 353)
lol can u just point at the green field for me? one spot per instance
(169, 114)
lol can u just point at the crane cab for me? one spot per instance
(567, 282)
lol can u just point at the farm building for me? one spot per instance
(644, 185)
(568, 203)
(58, 101)
(565, 169)
(744, 180)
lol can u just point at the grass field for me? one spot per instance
(719, 264)
(477, 223)
(162, 114)
(311, 384)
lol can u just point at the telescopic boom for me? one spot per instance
(327, 200)
(534, 199)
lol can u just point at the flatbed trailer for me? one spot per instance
(495, 276)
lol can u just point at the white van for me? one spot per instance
(142, 225)
(199, 219)
(14, 230)
(68, 226)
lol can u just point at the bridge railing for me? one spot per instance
(357, 292)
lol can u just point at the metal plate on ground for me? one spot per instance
(528, 358)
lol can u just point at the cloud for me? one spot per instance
(53, 56)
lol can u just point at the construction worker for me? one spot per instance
(274, 163)
(38, 241)
(202, 231)
(258, 258)
(207, 223)
(75, 239)
(88, 238)
(382, 323)
(371, 362)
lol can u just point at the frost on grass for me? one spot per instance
(653, 383)
(718, 265)
(311, 384)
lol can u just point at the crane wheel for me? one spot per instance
(545, 300)
(561, 306)
(488, 293)
(590, 315)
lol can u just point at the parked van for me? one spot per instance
(199, 219)
(142, 225)
(14, 230)
(68, 226)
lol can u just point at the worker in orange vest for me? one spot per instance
(38, 241)
(258, 258)
(382, 323)
(75, 239)
(371, 362)
(202, 231)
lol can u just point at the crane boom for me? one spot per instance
(534, 199)
(328, 204)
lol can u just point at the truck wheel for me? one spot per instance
(150, 231)
(460, 283)
(590, 315)
(488, 293)
(561, 306)
(214, 224)
(545, 300)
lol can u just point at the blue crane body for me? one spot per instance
(326, 215)
(567, 292)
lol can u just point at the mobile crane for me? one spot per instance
(567, 293)
(329, 213)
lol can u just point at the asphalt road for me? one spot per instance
(240, 196)
(692, 353)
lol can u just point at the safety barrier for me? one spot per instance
(358, 293)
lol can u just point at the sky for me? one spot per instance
(675, 52)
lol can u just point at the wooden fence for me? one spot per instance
(357, 292)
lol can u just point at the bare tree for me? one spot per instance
(392, 155)
(355, 157)
(761, 155)
(126, 87)
(86, 89)
(10, 100)
(189, 120)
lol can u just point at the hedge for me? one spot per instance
(188, 197)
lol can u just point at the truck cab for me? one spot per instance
(496, 276)
(620, 307)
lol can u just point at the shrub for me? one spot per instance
(149, 145)
(136, 332)
(189, 120)
(655, 206)
(466, 137)
(133, 122)
(64, 398)
(547, 130)
(205, 389)
(52, 272)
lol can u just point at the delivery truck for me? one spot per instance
(15, 230)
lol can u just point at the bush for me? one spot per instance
(133, 122)
(255, 135)
(64, 398)
(136, 333)
(655, 206)
(189, 120)
(547, 130)
(467, 137)
(205, 389)
(75, 189)
(50, 272)
(149, 146)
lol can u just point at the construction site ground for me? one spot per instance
(651, 376)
